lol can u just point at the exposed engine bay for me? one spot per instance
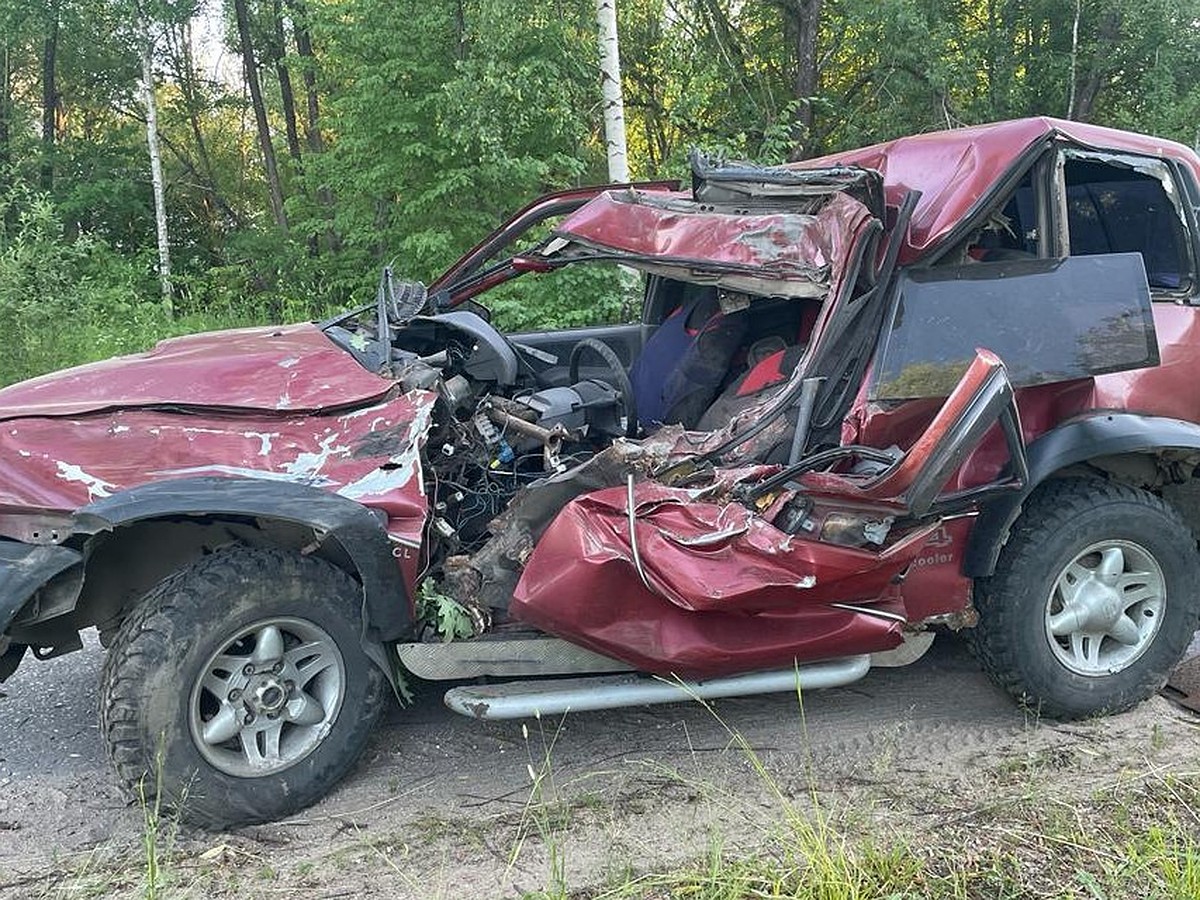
(502, 419)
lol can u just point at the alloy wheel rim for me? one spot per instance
(1105, 608)
(267, 698)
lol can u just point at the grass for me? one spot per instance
(1116, 844)
(1058, 814)
(544, 813)
(1135, 838)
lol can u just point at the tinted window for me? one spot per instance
(1113, 209)
(1048, 320)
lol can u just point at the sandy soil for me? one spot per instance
(441, 805)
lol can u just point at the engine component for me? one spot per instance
(588, 406)
(550, 438)
(492, 436)
(456, 391)
(417, 376)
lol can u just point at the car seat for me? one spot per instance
(681, 369)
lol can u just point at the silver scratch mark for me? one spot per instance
(96, 487)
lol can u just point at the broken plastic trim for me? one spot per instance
(808, 399)
(716, 181)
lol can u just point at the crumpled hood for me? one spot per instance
(286, 369)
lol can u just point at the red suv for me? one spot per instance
(945, 381)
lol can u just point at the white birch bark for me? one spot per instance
(1074, 58)
(610, 83)
(156, 175)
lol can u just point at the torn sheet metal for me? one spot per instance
(288, 369)
(370, 455)
(785, 253)
(724, 590)
(955, 171)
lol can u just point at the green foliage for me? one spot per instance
(61, 300)
(437, 119)
(440, 138)
(447, 616)
(575, 296)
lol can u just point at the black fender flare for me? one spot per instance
(24, 568)
(1076, 441)
(358, 530)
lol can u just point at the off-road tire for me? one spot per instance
(162, 646)
(1062, 519)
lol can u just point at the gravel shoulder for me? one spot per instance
(442, 806)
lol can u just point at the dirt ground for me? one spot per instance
(442, 806)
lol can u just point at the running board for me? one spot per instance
(525, 699)
(503, 657)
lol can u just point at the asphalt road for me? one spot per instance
(48, 716)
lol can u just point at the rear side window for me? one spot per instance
(1119, 206)
(1050, 320)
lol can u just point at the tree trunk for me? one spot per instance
(156, 176)
(5, 116)
(49, 98)
(286, 94)
(1074, 58)
(304, 49)
(185, 74)
(806, 19)
(610, 83)
(312, 126)
(274, 186)
(1108, 36)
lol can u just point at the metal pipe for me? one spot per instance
(525, 699)
(808, 398)
(555, 435)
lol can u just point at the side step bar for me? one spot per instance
(524, 699)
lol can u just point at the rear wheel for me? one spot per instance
(238, 690)
(1094, 600)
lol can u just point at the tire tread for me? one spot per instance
(147, 634)
(1052, 507)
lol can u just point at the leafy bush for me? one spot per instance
(64, 301)
(579, 295)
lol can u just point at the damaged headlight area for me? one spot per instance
(852, 529)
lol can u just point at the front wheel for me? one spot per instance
(238, 690)
(1094, 600)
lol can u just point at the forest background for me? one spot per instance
(335, 136)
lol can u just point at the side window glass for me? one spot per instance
(1098, 321)
(1009, 232)
(1118, 206)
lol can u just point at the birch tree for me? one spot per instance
(610, 83)
(161, 232)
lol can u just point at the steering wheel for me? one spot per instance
(619, 380)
